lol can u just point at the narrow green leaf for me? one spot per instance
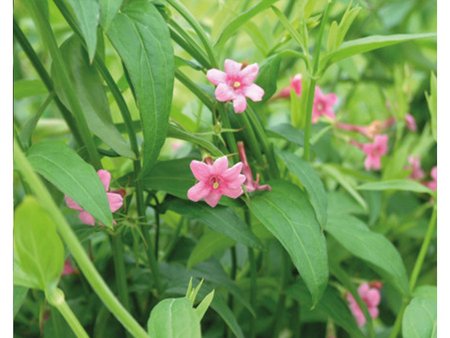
(91, 94)
(288, 132)
(403, 185)
(37, 246)
(204, 305)
(220, 219)
(62, 167)
(220, 306)
(420, 318)
(236, 23)
(331, 303)
(174, 318)
(87, 15)
(367, 44)
(268, 72)
(432, 104)
(371, 247)
(208, 245)
(312, 183)
(347, 19)
(29, 88)
(287, 214)
(108, 10)
(20, 294)
(141, 37)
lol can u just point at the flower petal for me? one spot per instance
(373, 297)
(86, 218)
(200, 170)
(115, 201)
(72, 204)
(232, 68)
(216, 76)
(232, 192)
(198, 191)
(213, 198)
(239, 104)
(232, 173)
(331, 99)
(105, 177)
(254, 92)
(296, 84)
(220, 166)
(224, 93)
(249, 73)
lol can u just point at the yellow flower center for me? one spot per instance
(216, 185)
(236, 84)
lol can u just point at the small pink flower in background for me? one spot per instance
(370, 131)
(410, 122)
(69, 269)
(236, 84)
(216, 179)
(295, 85)
(433, 183)
(371, 296)
(115, 199)
(250, 184)
(374, 151)
(415, 167)
(323, 105)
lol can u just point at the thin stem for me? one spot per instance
(188, 83)
(253, 277)
(119, 266)
(188, 48)
(280, 309)
(75, 247)
(158, 226)
(398, 320)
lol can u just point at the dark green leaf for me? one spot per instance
(312, 183)
(221, 219)
(267, 73)
(108, 10)
(403, 185)
(87, 15)
(288, 132)
(37, 246)
(287, 214)
(141, 37)
(62, 167)
(20, 294)
(91, 94)
(208, 245)
(219, 305)
(371, 247)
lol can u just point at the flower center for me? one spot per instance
(236, 84)
(320, 107)
(215, 183)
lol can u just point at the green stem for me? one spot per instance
(56, 298)
(312, 83)
(75, 247)
(253, 277)
(120, 270)
(398, 320)
(280, 309)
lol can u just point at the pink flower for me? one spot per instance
(410, 122)
(375, 151)
(433, 183)
(250, 184)
(216, 179)
(370, 296)
(369, 131)
(416, 170)
(69, 269)
(115, 199)
(323, 105)
(295, 85)
(235, 84)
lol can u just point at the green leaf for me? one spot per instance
(222, 309)
(141, 37)
(174, 318)
(267, 73)
(233, 26)
(432, 104)
(347, 19)
(371, 247)
(208, 245)
(108, 10)
(367, 44)
(420, 318)
(287, 214)
(331, 303)
(203, 306)
(62, 167)
(20, 294)
(312, 183)
(403, 185)
(172, 176)
(288, 132)
(37, 246)
(28, 88)
(220, 219)
(87, 15)
(91, 94)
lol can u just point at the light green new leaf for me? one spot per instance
(312, 183)
(141, 37)
(68, 172)
(420, 318)
(367, 44)
(288, 215)
(174, 318)
(221, 219)
(403, 185)
(87, 14)
(371, 247)
(208, 245)
(201, 309)
(240, 20)
(37, 246)
(91, 94)
(108, 10)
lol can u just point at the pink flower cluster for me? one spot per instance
(418, 174)
(374, 151)
(115, 199)
(370, 294)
